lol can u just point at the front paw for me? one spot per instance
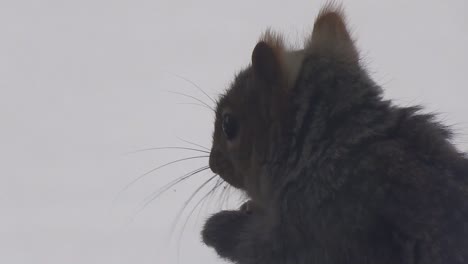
(223, 230)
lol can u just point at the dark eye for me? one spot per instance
(230, 126)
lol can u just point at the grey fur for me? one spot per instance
(341, 176)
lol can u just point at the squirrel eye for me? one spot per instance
(230, 126)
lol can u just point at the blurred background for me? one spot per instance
(84, 84)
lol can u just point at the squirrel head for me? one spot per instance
(252, 115)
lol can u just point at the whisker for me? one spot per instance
(202, 105)
(194, 104)
(169, 185)
(194, 98)
(181, 211)
(196, 86)
(163, 189)
(153, 170)
(211, 192)
(224, 194)
(194, 144)
(163, 148)
(199, 203)
(218, 183)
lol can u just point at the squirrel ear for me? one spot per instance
(265, 63)
(331, 37)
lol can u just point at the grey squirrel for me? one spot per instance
(334, 173)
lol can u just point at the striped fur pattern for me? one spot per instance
(334, 173)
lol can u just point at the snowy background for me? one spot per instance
(82, 83)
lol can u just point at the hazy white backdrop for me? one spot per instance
(84, 82)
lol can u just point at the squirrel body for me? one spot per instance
(334, 173)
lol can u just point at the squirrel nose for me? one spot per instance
(213, 161)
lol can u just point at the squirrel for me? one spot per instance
(333, 171)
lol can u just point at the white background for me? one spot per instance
(84, 82)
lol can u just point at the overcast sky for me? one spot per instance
(82, 83)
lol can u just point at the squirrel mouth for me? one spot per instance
(232, 179)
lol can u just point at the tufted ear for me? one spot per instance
(331, 37)
(265, 63)
(268, 67)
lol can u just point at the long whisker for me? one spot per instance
(153, 170)
(194, 98)
(224, 194)
(166, 187)
(181, 211)
(163, 189)
(210, 193)
(219, 182)
(196, 86)
(202, 105)
(199, 203)
(194, 144)
(195, 104)
(162, 148)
